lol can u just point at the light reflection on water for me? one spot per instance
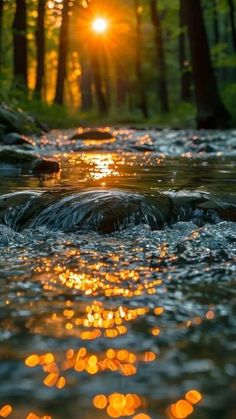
(110, 326)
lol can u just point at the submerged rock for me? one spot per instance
(14, 138)
(93, 135)
(100, 210)
(17, 157)
(13, 120)
(45, 165)
(28, 161)
(105, 211)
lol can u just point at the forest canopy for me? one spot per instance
(127, 61)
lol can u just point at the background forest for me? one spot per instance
(150, 65)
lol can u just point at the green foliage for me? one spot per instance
(229, 94)
(120, 50)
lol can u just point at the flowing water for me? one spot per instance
(118, 279)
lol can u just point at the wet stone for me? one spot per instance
(28, 161)
(46, 165)
(92, 135)
(14, 138)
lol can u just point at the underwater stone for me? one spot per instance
(106, 211)
(92, 135)
(18, 157)
(14, 138)
(100, 210)
(28, 161)
(45, 165)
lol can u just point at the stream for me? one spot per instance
(117, 274)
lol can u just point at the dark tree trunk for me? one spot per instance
(106, 77)
(185, 83)
(20, 43)
(211, 113)
(121, 85)
(232, 16)
(40, 46)
(1, 44)
(101, 99)
(141, 89)
(160, 52)
(86, 86)
(216, 30)
(62, 56)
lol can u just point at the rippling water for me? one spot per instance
(138, 323)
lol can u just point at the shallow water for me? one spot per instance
(143, 316)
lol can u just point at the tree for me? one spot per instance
(62, 56)
(121, 84)
(20, 43)
(139, 74)
(216, 30)
(86, 85)
(96, 65)
(211, 112)
(232, 16)
(160, 52)
(1, 49)
(185, 76)
(40, 46)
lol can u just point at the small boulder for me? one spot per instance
(28, 161)
(17, 157)
(14, 138)
(93, 135)
(9, 120)
(16, 120)
(45, 165)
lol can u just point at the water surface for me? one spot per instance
(137, 321)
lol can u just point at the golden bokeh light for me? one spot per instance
(185, 407)
(100, 25)
(119, 405)
(5, 411)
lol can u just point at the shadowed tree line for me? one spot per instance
(152, 57)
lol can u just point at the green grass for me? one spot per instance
(59, 117)
(182, 115)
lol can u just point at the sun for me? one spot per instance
(99, 25)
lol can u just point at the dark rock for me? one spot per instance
(10, 120)
(14, 138)
(28, 161)
(2, 131)
(17, 157)
(143, 147)
(15, 120)
(206, 148)
(98, 210)
(45, 165)
(42, 126)
(106, 211)
(93, 135)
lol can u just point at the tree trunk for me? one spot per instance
(121, 84)
(211, 112)
(1, 43)
(86, 86)
(20, 43)
(62, 56)
(101, 100)
(106, 74)
(232, 16)
(216, 30)
(160, 52)
(185, 83)
(141, 89)
(40, 46)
